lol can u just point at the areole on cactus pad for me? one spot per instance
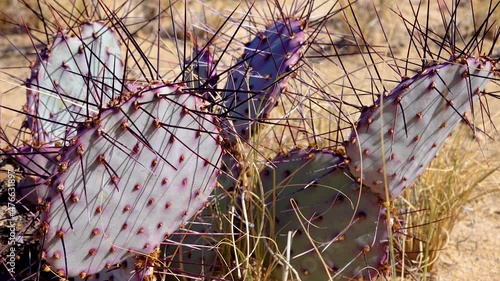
(80, 72)
(132, 174)
(337, 228)
(397, 138)
(131, 269)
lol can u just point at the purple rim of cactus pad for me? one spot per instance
(415, 120)
(347, 223)
(73, 79)
(205, 76)
(125, 270)
(38, 164)
(133, 174)
(255, 83)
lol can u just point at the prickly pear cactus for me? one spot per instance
(414, 120)
(311, 193)
(71, 80)
(255, 83)
(131, 175)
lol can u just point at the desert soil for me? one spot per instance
(473, 249)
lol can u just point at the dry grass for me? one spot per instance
(432, 207)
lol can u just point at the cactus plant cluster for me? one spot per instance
(115, 167)
(342, 231)
(105, 204)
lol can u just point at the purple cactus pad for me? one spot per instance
(256, 82)
(414, 119)
(132, 175)
(72, 80)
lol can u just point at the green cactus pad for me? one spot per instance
(346, 222)
(192, 252)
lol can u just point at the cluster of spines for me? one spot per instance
(201, 74)
(134, 268)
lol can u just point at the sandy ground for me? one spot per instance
(472, 252)
(473, 249)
